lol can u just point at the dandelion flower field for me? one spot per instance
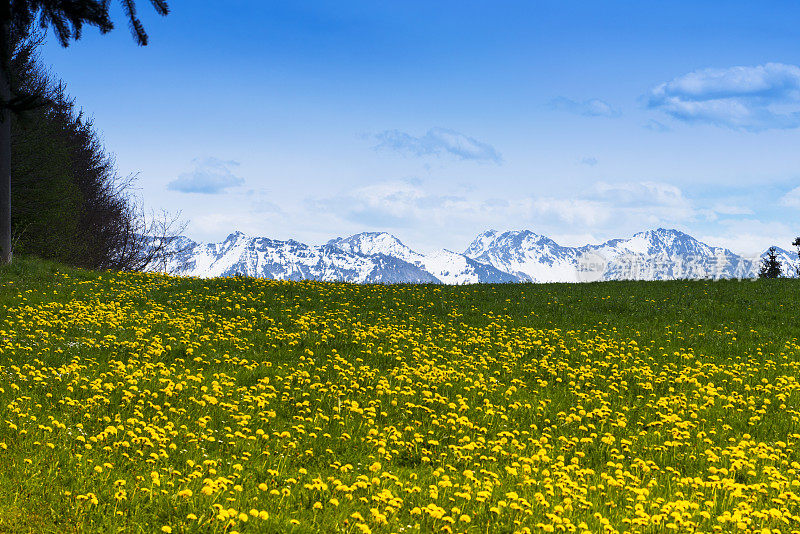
(144, 403)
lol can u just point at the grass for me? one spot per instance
(143, 403)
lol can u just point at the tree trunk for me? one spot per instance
(5, 144)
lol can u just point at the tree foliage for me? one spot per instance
(69, 202)
(66, 18)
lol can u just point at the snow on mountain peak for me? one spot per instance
(665, 242)
(370, 243)
(511, 256)
(235, 235)
(481, 243)
(525, 254)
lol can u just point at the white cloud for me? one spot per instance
(593, 107)
(428, 215)
(641, 193)
(395, 204)
(573, 211)
(655, 126)
(210, 176)
(439, 141)
(731, 209)
(261, 201)
(627, 206)
(750, 237)
(645, 204)
(791, 199)
(746, 98)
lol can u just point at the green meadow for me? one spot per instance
(145, 403)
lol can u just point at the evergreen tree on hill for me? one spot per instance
(770, 266)
(66, 18)
(70, 204)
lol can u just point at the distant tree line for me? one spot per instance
(68, 201)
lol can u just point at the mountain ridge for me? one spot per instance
(492, 257)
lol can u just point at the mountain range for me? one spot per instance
(492, 257)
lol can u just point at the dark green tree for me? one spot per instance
(66, 18)
(796, 243)
(70, 204)
(770, 266)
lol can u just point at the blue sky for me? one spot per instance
(438, 120)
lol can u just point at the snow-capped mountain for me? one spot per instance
(668, 254)
(789, 261)
(528, 256)
(363, 258)
(448, 267)
(260, 257)
(660, 254)
(369, 243)
(515, 256)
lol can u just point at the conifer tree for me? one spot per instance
(770, 266)
(70, 204)
(796, 243)
(67, 19)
